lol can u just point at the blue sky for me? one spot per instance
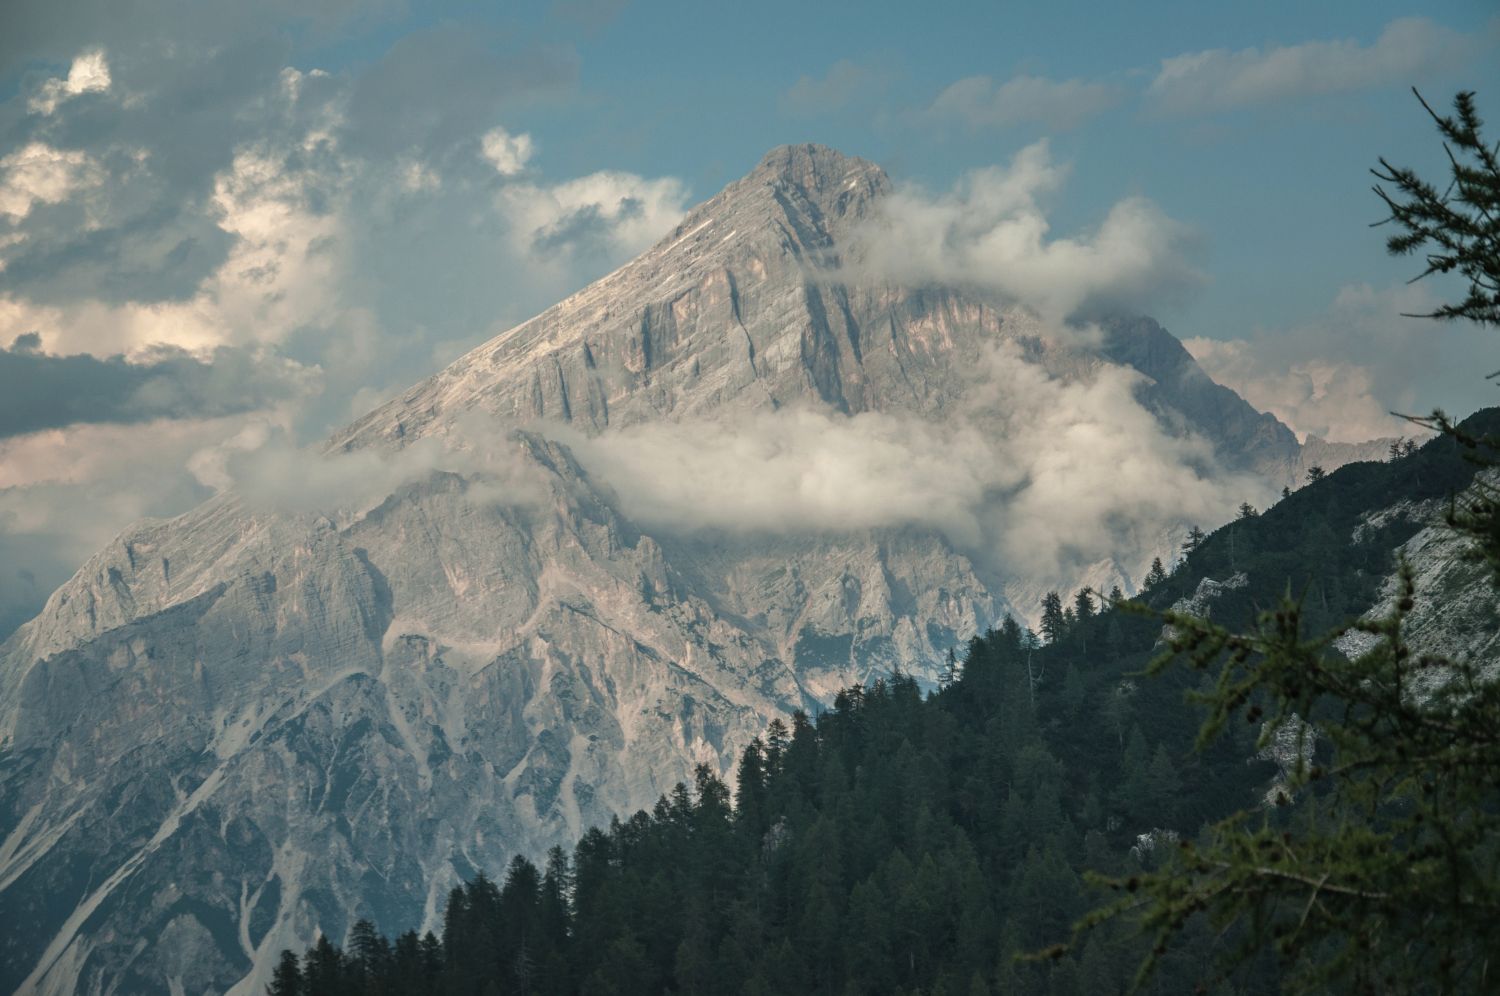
(226, 222)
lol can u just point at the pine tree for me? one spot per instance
(323, 969)
(1156, 575)
(1247, 510)
(1454, 222)
(369, 952)
(750, 791)
(286, 980)
(950, 671)
(1315, 474)
(1083, 605)
(1054, 621)
(1195, 538)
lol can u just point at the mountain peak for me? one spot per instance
(810, 190)
(816, 177)
(811, 166)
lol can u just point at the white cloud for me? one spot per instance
(1340, 374)
(65, 493)
(264, 468)
(978, 102)
(607, 213)
(300, 218)
(1032, 474)
(37, 173)
(1218, 79)
(88, 74)
(417, 177)
(508, 153)
(991, 231)
(1333, 399)
(284, 269)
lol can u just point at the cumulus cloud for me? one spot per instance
(991, 231)
(844, 83)
(223, 214)
(978, 102)
(506, 152)
(1341, 374)
(88, 74)
(37, 173)
(1034, 473)
(1218, 79)
(603, 214)
(283, 271)
(39, 391)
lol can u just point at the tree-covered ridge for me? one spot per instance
(902, 843)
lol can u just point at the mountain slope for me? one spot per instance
(901, 843)
(254, 722)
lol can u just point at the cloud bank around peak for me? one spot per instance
(264, 467)
(1033, 475)
(991, 231)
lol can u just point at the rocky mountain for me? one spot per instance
(261, 720)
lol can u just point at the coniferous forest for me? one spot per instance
(911, 842)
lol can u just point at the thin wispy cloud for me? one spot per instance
(980, 102)
(845, 83)
(1223, 79)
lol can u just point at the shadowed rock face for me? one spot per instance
(238, 728)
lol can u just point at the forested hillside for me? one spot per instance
(911, 843)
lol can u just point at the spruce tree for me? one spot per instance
(1054, 620)
(286, 980)
(1156, 575)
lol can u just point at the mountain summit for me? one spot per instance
(263, 719)
(713, 311)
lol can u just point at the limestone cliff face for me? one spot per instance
(235, 729)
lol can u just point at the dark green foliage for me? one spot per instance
(1457, 226)
(906, 843)
(1156, 575)
(1054, 620)
(1083, 605)
(1385, 876)
(287, 979)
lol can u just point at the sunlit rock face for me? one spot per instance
(252, 723)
